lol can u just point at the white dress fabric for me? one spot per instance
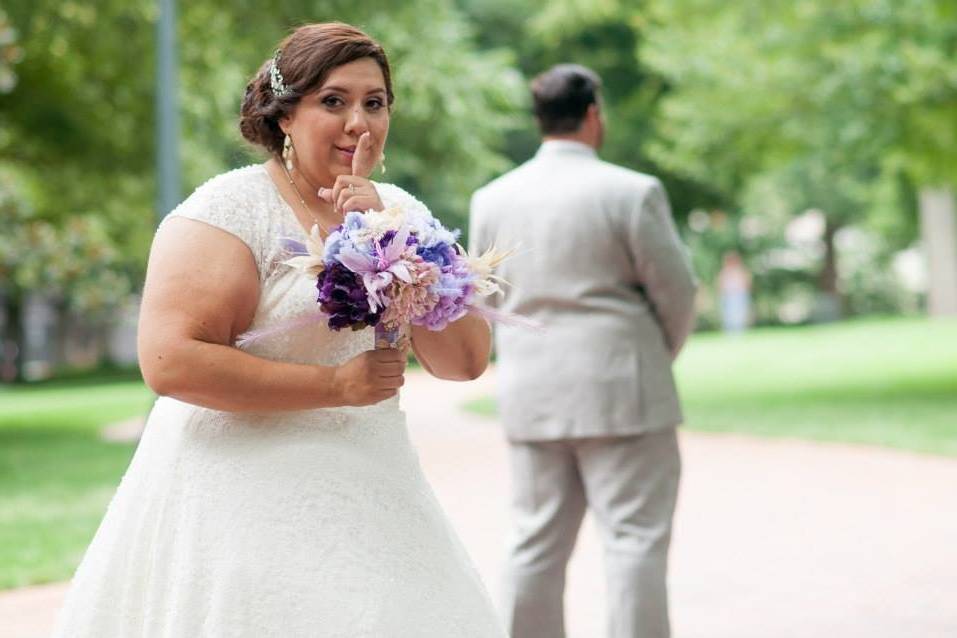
(307, 523)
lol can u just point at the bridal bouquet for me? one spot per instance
(393, 267)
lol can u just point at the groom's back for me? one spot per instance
(570, 218)
(601, 364)
(599, 264)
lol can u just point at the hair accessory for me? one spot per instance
(276, 81)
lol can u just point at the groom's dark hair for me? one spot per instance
(562, 95)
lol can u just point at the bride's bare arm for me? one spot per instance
(458, 353)
(201, 290)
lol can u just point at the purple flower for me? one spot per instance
(343, 297)
(293, 246)
(390, 235)
(381, 266)
(440, 254)
(454, 289)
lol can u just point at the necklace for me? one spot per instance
(302, 199)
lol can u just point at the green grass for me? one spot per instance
(56, 474)
(889, 382)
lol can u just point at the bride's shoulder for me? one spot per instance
(236, 185)
(232, 201)
(235, 193)
(393, 195)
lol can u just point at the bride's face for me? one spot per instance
(326, 125)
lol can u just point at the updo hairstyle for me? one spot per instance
(306, 57)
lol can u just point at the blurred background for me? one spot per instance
(809, 149)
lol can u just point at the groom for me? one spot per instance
(589, 403)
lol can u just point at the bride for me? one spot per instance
(275, 491)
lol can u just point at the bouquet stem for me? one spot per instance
(386, 339)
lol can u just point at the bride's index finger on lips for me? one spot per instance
(363, 161)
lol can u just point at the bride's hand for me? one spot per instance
(370, 377)
(352, 193)
(356, 192)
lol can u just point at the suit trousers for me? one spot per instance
(630, 483)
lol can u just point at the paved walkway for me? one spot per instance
(774, 538)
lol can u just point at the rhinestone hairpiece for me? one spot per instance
(276, 81)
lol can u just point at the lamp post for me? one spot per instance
(167, 117)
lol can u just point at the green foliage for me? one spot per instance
(605, 36)
(847, 107)
(74, 261)
(10, 54)
(840, 107)
(453, 108)
(78, 126)
(844, 85)
(83, 109)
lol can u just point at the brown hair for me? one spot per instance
(562, 95)
(307, 56)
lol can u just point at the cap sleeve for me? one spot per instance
(230, 203)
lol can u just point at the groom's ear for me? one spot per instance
(594, 122)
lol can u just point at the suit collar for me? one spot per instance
(565, 147)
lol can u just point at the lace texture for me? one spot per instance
(310, 523)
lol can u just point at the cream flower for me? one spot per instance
(311, 263)
(486, 282)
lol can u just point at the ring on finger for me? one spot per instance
(352, 188)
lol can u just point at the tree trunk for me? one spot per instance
(830, 305)
(938, 225)
(11, 339)
(827, 280)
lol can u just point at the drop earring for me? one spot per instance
(287, 152)
(382, 163)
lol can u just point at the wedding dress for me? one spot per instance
(313, 523)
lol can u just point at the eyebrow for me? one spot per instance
(341, 89)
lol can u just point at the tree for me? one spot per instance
(857, 92)
(603, 35)
(76, 130)
(79, 125)
(73, 264)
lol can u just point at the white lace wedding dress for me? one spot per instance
(313, 523)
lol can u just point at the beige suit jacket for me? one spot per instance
(599, 263)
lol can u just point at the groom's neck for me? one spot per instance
(578, 136)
